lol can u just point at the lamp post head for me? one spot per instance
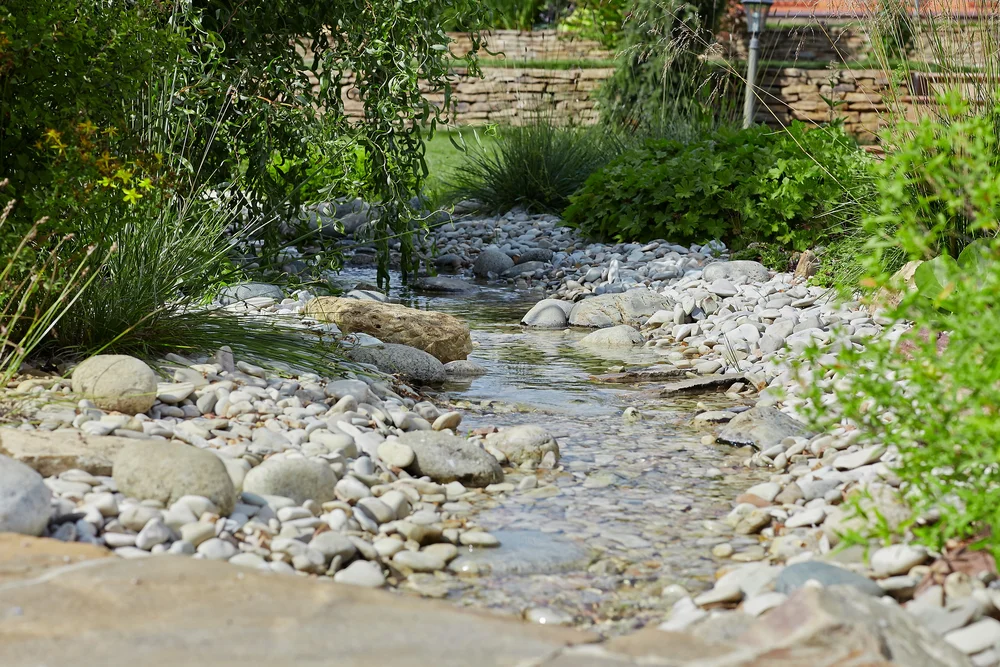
(756, 14)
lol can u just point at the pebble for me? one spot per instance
(216, 549)
(361, 573)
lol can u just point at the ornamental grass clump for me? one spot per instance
(536, 166)
(931, 388)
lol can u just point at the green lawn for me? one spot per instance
(443, 156)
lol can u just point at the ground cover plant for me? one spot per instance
(741, 186)
(933, 391)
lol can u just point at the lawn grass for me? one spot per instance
(443, 156)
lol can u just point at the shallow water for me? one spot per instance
(636, 505)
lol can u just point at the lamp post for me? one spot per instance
(756, 14)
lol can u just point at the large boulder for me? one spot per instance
(53, 452)
(116, 382)
(548, 314)
(447, 458)
(441, 335)
(403, 360)
(491, 260)
(235, 293)
(523, 443)
(607, 310)
(762, 427)
(167, 471)
(298, 479)
(613, 337)
(24, 499)
(741, 270)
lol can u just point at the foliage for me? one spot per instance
(32, 302)
(65, 67)
(514, 14)
(597, 20)
(772, 255)
(738, 186)
(536, 166)
(661, 80)
(933, 392)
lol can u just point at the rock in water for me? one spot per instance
(464, 368)
(438, 334)
(116, 382)
(548, 313)
(24, 499)
(491, 260)
(525, 442)
(411, 363)
(443, 285)
(632, 307)
(761, 427)
(447, 458)
(796, 576)
(236, 293)
(614, 337)
(166, 471)
(743, 270)
(298, 479)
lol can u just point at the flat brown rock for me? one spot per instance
(166, 611)
(639, 375)
(439, 334)
(701, 384)
(52, 452)
(23, 557)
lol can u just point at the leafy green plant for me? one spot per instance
(597, 20)
(537, 166)
(739, 186)
(932, 391)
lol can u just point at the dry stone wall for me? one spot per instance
(519, 45)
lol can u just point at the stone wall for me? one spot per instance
(513, 95)
(522, 45)
(811, 42)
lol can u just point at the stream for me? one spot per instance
(636, 505)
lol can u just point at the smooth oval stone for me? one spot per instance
(524, 552)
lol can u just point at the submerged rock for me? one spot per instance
(614, 337)
(443, 285)
(523, 443)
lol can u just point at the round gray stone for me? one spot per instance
(24, 499)
(613, 338)
(116, 382)
(491, 260)
(753, 272)
(795, 577)
(549, 314)
(236, 293)
(447, 458)
(167, 471)
(411, 363)
(298, 479)
(525, 442)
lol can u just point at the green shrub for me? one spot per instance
(536, 166)
(738, 186)
(934, 393)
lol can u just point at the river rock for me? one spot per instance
(53, 452)
(548, 314)
(523, 443)
(741, 270)
(447, 458)
(450, 263)
(361, 573)
(463, 368)
(762, 427)
(796, 576)
(613, 338)
(523, 269)
(403, 360)
(24, 499)
(167, 471)
(443, 285)
(116, 382)
(825, 627)
(298, 479)
(235, 293)
(608, 310)
(438, 334)
(897, 559)
(491, 260)
(535, 255)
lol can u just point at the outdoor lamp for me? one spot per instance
(756, 15)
